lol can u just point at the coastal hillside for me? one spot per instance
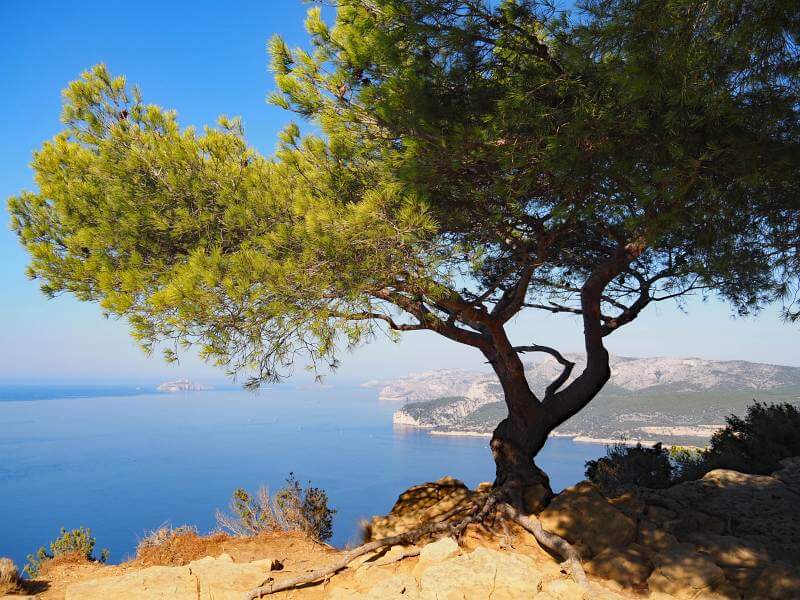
(676, 400)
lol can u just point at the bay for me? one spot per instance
(124, 464)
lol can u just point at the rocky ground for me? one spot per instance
(726, 536)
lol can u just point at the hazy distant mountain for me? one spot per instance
(646, 398)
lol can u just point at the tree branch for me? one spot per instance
(565, 373)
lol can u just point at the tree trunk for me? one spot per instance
(519, 437)
(514, 447)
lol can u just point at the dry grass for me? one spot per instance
(260, 513)
(177, 547)
(9, 576)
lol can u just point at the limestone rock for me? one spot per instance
(399, 586)
(629, 505)
(779, 581)
(9, 576)
(481, 574)
(685, 573)
(561, 589)
(630, 567)
(394, 554)
(731, 552)
(789, 473)
(484, 487)
(210, 578)
(417, 505)
(654, 538)
(438, 551)
(757, 508)
(581, 514)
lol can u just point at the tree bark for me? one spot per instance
(514, 448)
(519, 437)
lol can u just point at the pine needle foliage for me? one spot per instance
(466, 161)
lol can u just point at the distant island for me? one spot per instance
(674, 400)
(182, 385)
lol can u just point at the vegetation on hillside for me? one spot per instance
(755, 443)
(76, 543)
(291, 508)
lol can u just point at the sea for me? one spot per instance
(125, 460)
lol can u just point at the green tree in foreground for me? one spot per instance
(469, 161)
(78, 543)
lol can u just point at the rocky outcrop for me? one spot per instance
(210, 578)
(762, 510)
(695, 541)
(420, 504)
(584, 517)
(723, 536)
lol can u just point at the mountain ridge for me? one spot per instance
(681, 400)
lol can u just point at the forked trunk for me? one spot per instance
(514, 447)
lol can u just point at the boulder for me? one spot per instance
(210, 578)
(779, 581)
(685, 573)
(9, 576)
(731, 552)
(438, 551)
(629, 504)
(789, 473)
(583, 516)
(630, 566)
(654, 538)
(418, 505)
(398, 586)
(481, 574)
(757, 508)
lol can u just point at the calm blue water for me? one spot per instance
(128, 463)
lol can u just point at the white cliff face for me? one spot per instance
(688, 397)
(630, 374)
(182, 385)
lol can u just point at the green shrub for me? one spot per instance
(291, 508)
(688, 463)
(758, 442)
(754, 444)
(78, 542)
(630, 465)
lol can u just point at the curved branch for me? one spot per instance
(367, 316)
(565, 373)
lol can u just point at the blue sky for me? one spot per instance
(205, 59)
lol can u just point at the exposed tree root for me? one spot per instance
(325, 572)
(478, 511)
(550, 541)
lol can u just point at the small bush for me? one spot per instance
(758, 442)
(9, 576)
(754, 444)
(630, 465)
(77, 542)
(291, 508)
